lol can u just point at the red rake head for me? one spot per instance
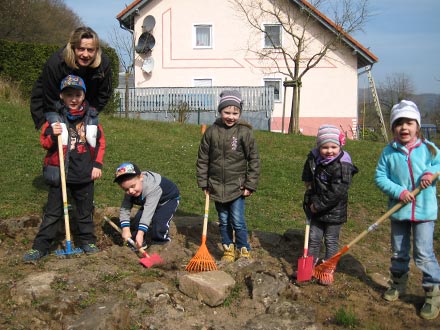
(151, 260)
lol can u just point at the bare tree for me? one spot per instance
(298, 22)
(123, 42)
(391, 90)
(395, 87)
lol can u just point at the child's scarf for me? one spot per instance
(74, 114)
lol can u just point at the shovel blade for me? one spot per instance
(305, 269)
(151, 260)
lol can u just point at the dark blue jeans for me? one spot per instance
(231, 218)
(329, 232)
(159, 229)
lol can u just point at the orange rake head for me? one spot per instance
(202, 261)
(324, 272)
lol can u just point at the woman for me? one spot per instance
(82, 56)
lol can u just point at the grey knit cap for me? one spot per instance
(230, 97)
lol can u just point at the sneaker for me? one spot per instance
(391, 294)
(397, 287)
(90, 248)
(33, 255)
(244, 253)
(431, 307)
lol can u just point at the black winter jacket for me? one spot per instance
(46, 90)
(330, 184)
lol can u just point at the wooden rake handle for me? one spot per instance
(205, 219)
(205, 216)
(396, 207)
(63, 187)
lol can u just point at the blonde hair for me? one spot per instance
(83, 32)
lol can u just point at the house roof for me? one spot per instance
(364, 56)
(125, 16)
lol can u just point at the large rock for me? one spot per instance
(212, 287)
(267, 287)
(105, 316)
(154, 293)
(33, 287)
(285, 315)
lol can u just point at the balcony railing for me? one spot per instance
(199, 103)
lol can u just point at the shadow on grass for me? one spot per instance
(40, 183)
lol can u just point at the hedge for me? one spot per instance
(22, 63)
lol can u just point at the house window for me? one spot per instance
(203, 36)
(272, 35)
(276, 84)
(202, 82)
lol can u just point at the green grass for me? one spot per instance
(171, 150)
(346, 318)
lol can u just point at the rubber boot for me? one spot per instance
(431, 308)
(397, 287)
(229, 253)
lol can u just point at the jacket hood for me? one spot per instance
(242, 122)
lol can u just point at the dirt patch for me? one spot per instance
(109, 280)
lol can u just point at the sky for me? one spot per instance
(403, 34)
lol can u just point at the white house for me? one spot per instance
(207, 43)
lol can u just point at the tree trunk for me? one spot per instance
(297, 91)
(127, 95)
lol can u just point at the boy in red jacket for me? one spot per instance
(83, 147)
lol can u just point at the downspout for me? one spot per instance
(127, 74)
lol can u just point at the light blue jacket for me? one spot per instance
(400, 169)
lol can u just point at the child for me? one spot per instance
(327, 175)
(84, 148)
(228, 168)
(158, 198)
(408, 161)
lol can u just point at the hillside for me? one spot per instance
(112, 290)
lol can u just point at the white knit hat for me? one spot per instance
(404, 109)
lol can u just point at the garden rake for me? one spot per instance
(324, 272)
(68, 250)
(147, 260)
(202, 260)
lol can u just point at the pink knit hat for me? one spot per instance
(329, 133)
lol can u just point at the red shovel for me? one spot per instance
(305, 263)
(147, 260)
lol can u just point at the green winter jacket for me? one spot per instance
(228, 161)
